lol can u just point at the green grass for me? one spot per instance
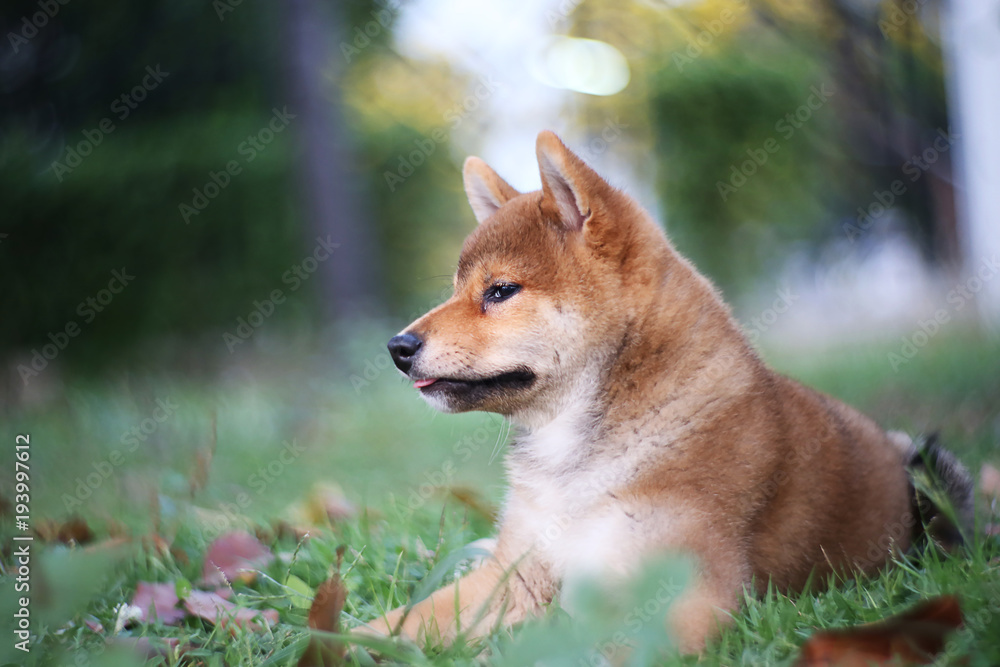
(394, 458)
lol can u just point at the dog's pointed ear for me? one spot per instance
(568, 184)
(486, 191)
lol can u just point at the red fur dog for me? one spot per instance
(646, 422)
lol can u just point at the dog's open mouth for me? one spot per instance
(511, 380)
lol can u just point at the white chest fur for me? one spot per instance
(562, 506)
(572, 534)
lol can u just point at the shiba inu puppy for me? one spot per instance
(645, 421)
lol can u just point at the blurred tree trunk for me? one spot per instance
(331, 193)
(895, 113)
(893, 110)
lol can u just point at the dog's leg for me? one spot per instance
(701, 611)
(495, 593)
(471, 605)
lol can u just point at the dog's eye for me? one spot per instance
(501, 292)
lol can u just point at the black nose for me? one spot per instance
(403, 349)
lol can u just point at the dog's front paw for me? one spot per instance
(389, 625)
(376, 627)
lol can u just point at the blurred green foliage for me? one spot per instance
(69, 227)
(712, 83)
(737, 179)
(772, 122)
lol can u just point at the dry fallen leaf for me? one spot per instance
(157, 602)
(325, 505)
(198, 477)
(215, 609)
(73, 530)
(116, 528)
(329, 500)
(324, 616)
(46, 530)
(156, 544)
(282, 530)
(233, 556)
(911, 638)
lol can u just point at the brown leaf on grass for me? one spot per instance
(198, 477)
(324, 616)
(236, 555)
(475, 502)
(215, 609)
(179, 555)
(73, 530)
(116, 528)
(914, 637)
(159, 544)
(46, 530)
(156, 543)
(157, 602)
(326, 504)
(282, 530)
(324, 613)
(93, 624)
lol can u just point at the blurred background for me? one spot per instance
(214, 214)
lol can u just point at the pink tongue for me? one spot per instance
(419, 384)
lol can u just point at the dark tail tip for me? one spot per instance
(942, 494)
